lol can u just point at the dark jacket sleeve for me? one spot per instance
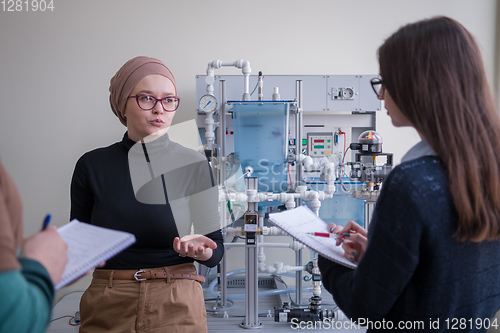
(217, 254)
(371, 290)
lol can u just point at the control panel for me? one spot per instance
(319, 144)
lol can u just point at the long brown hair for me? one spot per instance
(434, 72)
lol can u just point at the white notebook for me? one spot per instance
(299, 221)
(88, 246)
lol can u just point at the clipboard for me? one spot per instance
(301, 220)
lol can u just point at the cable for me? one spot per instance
(357, 188)
(342, 183)
(345, 138)
(75, 324)
(280, 279)
(263, 314)
(345, 154)
(289, 174)
(71, 292)
(261, 293)
(207, 272)
(67, 316)
(343, 158)
(254, 88)
(243, 175)
(217, 302)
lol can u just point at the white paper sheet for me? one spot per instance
(299, 221)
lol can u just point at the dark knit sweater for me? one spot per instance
(413, 268)
(102, 194)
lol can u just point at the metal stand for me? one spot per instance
(298, 181)
(222, 166)
(369, 207)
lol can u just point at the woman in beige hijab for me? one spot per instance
(156, 189)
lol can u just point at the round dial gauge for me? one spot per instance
(208, 103)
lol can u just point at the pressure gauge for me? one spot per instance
(208, 103)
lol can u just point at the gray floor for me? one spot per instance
(68, 305)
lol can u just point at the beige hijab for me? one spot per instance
(128, 76)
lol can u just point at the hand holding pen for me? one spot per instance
(48, 248)
(46, 221)
(352, 237)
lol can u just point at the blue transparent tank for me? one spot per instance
(260, 142)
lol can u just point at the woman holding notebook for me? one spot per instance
(431, 258)
(26, 280)
(158, 190)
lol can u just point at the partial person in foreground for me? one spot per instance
(430, 260)
(26, 282)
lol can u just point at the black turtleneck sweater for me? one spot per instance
(170, 189)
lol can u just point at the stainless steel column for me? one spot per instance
(222, 166)
(251, 269)
(298, 181)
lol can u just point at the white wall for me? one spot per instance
(55, 67)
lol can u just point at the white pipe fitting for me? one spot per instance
(297, 245)
(309, 164)
(278, 265)
(279, 268)
(209, 129)
(244, 65)
(231, 195)
(273, 231)
(252, 196)
(248, 171)
(315, 203)
(268, 196)
(327, 168)
(301, 189)
(209, 80)
(238, 231)
(283, 197)
(290, 203)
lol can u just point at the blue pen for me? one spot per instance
(46, 222)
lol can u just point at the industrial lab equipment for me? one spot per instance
(285, 146)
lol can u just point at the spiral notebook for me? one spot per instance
(88, 246)
(299, 221)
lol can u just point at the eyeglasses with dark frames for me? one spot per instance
(148, 102)
(378, 87)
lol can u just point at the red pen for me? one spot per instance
(323, 234)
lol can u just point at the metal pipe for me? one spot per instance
(298, 134)
(222, 114)
(369, 207)
(287, 130)
(244, 65)
(222, 181)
